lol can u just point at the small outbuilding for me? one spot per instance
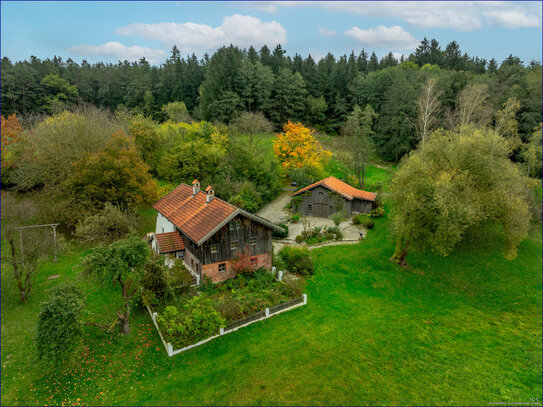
(331, 195)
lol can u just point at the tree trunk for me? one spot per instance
(125, 319)
(401, 252)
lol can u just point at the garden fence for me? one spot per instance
(235, 325)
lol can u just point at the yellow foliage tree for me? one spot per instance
(297, 148)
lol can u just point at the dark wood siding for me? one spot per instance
(362, 206)
(321, 202)
(224, 237)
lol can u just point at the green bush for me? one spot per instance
(334, 231)
(377, 212)
(197, 320)
(156, 290)
(368, 223)
(358, 219)
(280, 235)
(297, 260)
(299, 239)
(294, 218)
(106, 226)
(337, 218)
(59, 324)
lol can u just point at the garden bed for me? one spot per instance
(198, 316)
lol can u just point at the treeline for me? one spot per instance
(320, 93)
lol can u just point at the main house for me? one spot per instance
(331, 195)
(209, 233)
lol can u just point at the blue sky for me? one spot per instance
(112, 31)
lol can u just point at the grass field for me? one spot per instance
(465, 329)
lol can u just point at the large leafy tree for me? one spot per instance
(297, 148)
(358, 131)
(457, 181)
(11, 132)
(120, 263)
(116, 174)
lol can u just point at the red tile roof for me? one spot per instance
(341, 188)
(169, 242)
(191, 214)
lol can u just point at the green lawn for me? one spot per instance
(465, 329)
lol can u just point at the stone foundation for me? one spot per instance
(212, 270)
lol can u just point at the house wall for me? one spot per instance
(362, 206)
(163, 225)
(212, 270)
(223, 238)
(323, 203)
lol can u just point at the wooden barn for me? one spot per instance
(331, 195)
(209, 233)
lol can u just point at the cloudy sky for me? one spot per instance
(112, 31)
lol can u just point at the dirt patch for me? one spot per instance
(53, 276)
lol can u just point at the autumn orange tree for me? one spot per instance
(11, 130)
(298, 148)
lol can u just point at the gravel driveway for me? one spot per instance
(274, 210)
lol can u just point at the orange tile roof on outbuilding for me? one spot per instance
(169, 242)
(341, 188)
(195, 217)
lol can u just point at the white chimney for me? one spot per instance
(210, 194)
(195, 187)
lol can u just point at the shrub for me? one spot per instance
(378, 201)
(280, 235)
(299, 239)
(108, 225)
(251, 123)
(358, 219)
(197, 320)
(337, 218)
(334, 231)
(297, 260)
(368, 223)
(156, 290)
(377, 212)
(295, 218)
(179, 278)
(59, 324)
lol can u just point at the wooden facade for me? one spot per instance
(244, 233)
(321, 202)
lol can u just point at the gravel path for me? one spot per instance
(274, 210)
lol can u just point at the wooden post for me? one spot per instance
(55, 241)
(21, 242)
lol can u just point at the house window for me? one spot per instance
(253, 241)
(309, 207)
(222, 267)
(234, 245)
(321, 193)
(235, 224)
(214, 248)
(162, 230)
(330, 209)
(254, 262)
(192, 263)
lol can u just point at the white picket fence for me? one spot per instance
(171, 352)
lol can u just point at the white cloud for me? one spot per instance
(119, 51)
(325, 32)
(395, 37)
(239, 30)
(461, 15)
(266, 6)
(512, 19)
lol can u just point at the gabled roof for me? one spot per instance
(345, 190)
(169, 242)
(196, 218)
